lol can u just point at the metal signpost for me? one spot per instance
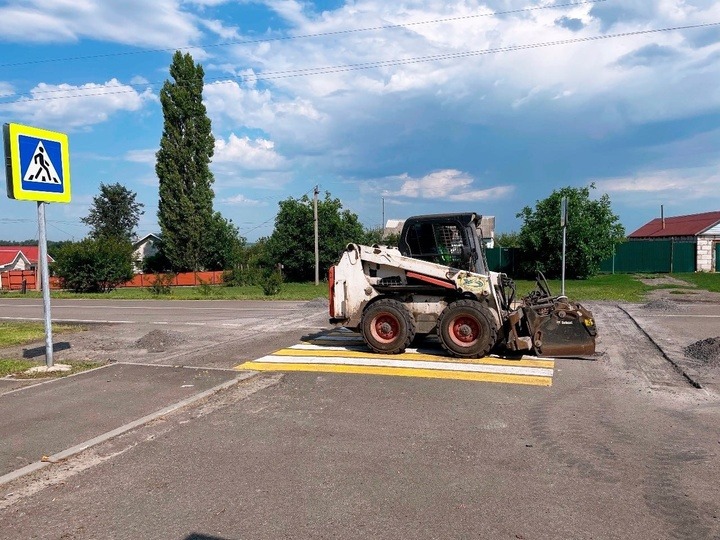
(37, 168)
(563, 223)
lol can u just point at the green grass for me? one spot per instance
(614, 287)
(17, 369)
(18, 333)
(289, 291)
(707, 281)
(10, 367)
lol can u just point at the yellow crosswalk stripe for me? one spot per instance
(418, 356)
(399, 372)
(343, 352)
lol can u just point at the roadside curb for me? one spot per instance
(74, 450)
(690, 374)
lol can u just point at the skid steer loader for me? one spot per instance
(437, 280)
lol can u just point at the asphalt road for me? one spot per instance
(173, 312)
(618, 447)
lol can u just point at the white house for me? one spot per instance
(144, 247)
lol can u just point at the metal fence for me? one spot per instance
(652, 256)
(16, 280)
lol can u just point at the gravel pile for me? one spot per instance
(705, 350)
(663, 304)
(158, 340)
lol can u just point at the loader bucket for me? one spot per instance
(561, 328)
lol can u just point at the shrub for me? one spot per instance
(271, 283)
(241, 276)
(161, 284)
(94, 265)
(205, 288)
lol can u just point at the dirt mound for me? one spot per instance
(159, 340)
(663, 304)
(705, 350)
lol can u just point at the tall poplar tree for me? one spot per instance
(185, 211)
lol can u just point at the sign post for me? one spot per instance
(563, 223)
(37, 168)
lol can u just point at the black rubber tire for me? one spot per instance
(387, 326)
(466, 329)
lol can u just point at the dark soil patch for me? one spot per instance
(705, 350)
(663, 304)
(159, 340)
(317, 303)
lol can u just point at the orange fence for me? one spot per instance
(14, 279)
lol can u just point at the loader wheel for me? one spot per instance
(466, 329)
(387, 326)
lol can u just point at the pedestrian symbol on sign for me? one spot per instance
(41, 168)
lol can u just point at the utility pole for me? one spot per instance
(563, 222)
(317, 245)
(382, 225)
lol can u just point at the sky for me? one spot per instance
(395, 108)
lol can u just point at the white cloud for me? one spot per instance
(134, 22)
(246, 153)
(146, 156)
(71, 107)
(6, 89)
(672, 184)
(222, 31)
(587, 72)
(241, 200)
(447, 184)
(229, 102)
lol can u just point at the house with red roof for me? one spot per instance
(703, 229)
(20, 258)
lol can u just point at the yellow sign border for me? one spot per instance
(12, 148)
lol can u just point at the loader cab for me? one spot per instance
(448, 239)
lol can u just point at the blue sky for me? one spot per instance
(431, 105)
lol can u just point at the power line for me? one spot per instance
(243, 231)
(302, 36)
(326, 70)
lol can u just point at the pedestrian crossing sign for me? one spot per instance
(37, 164)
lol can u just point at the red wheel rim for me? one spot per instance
(465, 330)
(385, 328)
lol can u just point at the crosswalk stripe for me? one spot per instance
(399, 372)
(414, 364)
(345, 353)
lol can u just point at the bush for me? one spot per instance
(271, 283)
(161, 284)
(205, 288)
(242, 276)
(94, 265)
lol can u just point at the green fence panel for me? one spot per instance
(503, 259)
(684, 257)
(651, 256)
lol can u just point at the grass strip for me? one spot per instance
(19, 333)
(17, 368)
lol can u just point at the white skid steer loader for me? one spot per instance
(437, 281)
